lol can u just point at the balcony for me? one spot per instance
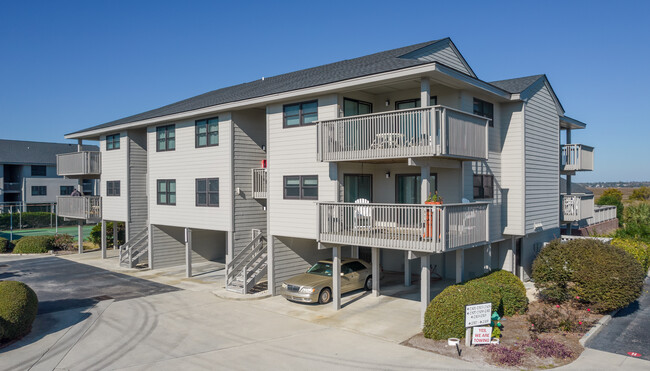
(577, 157)
(602, 214)
(77, 165)
(419, 132)
(12, 186)
(420, 228)
(577, 206)
(259, 183)
(87, 208)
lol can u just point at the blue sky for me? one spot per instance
(67, 65)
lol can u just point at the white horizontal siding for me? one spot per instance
(114, 167)
(292, 151)
(185, 164)
(512, 164)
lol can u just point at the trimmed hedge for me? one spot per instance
(603, 276)
(511, 289)
(4, 245)
(18, 307)
(445, 315)
(34, 245)
(638, 249)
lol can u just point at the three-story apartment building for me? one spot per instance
(339, 161)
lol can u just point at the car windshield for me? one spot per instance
(321, 269)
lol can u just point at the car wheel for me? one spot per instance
(368, 285)
(325, 296)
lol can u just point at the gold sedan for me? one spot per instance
(315, 285)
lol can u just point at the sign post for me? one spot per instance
(477, 315)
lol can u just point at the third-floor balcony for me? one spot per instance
(86, 164)
(435, 131)
(577, 157)
(576, 207)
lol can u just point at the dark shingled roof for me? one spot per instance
(514, 86)
(344, 70)
(40, 153)
(575, 187)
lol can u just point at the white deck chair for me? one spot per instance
(362, 218)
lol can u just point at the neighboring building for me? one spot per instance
(353, 150)
(28, 177)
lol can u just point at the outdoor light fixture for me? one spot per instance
(387, 102)
(387, 174)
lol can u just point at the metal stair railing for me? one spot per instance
(134, 248)
(242, 264)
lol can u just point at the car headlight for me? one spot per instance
(307, 290)
(284, 285)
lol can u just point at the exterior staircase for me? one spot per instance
(135, 249)
(248, 267)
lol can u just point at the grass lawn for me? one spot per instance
(71, 230)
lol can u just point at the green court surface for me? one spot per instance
(71, 230)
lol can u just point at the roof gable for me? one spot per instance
(445, 52)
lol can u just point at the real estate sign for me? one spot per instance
(478, 314)
(481, 335)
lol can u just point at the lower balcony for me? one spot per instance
(576, 207)
(419, 228)
(87, 208)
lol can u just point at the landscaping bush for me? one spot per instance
(18, 307)
(613, 196)
(638, 249)
(547, 348)
(96, 234)
(637, 222)
(445, 315)
(603, 276)
(511, 289)
(63, 242)
(564, 318)
(34, 245)
(503, 355)
(4, 245)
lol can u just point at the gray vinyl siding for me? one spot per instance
(292, 256)
(542, 159)
(137, 187)
(441, 52)
(249, 133)
(169, 246)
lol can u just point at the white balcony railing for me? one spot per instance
(426, 228)
(577, 157)
(576, 207)
(259, 183)
(78, 164)
(602, 214)
(417, 132)
(80, 207)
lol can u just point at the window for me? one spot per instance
(353, 107)
(300, 114)
(207, 132)
(166, 138)
(414, 103)
(66, 190)
(167, 192)
(113, 188)
(483, 186)
(112, 142)
(88, 186)
(207, 192)
(39, 191)
(301, 187)
(485, 109)
(355, 266)
(39, 170)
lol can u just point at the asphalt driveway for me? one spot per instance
(63, 284)
(628, 330)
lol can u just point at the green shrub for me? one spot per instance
(4, 245)
(445, 315)
(511, 289)
(605, 277)
(18, 307)
(96, 234)
(34, 245)
(641, 194)
(63, 241)
(613, 197)
(638, 249)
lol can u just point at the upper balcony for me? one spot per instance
(259, 183)
(576, 207)
(435, 131)
(77, 165)
(577, 157)
(87, 208)
(419, 228)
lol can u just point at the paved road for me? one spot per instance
(63, 284)
(628, 330)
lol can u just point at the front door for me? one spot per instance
(408, 188)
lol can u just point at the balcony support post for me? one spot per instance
(116, 240)
(425, 286)
(407, 269)
(425, 185)
(487, 258)
(80, 236)
(188, 252)
(460, 265)
(270, 264)
(425, 92)
(336, 277)
(103, 239)
(376, 275)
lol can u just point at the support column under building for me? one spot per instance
(425, 285)
(336, 277)
(460, 265)
(188, 252)
(376, 275)
(103, 239)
